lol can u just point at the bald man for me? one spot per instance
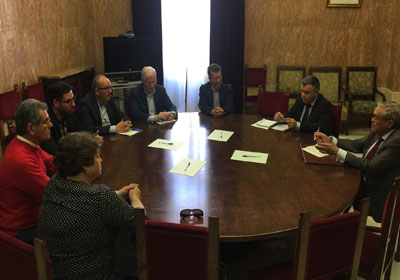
(98, 112)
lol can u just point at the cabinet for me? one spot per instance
(121, 93)
(79, 78)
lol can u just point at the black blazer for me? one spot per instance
(206, 98)
(321, 115)
(379, 173)
(139, 108)
(89, 114)
(73, 125)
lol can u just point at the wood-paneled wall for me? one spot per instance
(51, 36)
(307, 33)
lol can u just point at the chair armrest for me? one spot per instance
(381, 94)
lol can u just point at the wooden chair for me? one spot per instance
(253, 78)
(379, 249)
(269, 103)
(176, 251)
(35, 91)
(42, 260)
(17, 259)
(336, 111)
(330, 79)
(8, 101)
(362, 92)
(288, 79)
(325, 248)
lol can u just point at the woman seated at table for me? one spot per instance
(78, 220)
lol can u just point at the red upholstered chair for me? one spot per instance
(379, 249)
(34, 91)
(253, 78)
(176, 251)
(8, 101)
(325, 248)
(337, 114)
(17, 259)
(268, 103)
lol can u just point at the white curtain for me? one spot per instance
(186, 50)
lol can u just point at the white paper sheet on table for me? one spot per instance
(220, 135)
(165, 144)
(165, 122)
(264, 124)
(280, 127)
(314, 151)
(188, 167)
(130, 132)
(249, 156)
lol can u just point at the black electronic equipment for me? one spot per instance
(125, 57)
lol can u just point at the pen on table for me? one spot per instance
(221, 134)
(166, 143)
(250, 156)
(187, 166)
(316, 131)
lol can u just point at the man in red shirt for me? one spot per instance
(25, 171)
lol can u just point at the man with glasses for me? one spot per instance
(98, 112)
(311, 112)
(380, 163)
(149, 101)
(61, 102)
(215, 97)
(25, 171)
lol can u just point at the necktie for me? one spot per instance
(372, 152)
(306, 113)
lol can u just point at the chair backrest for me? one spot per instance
(381, 248)
(176, 251)
(268, 103)
(255, 80)
(35, 91)
(8, 101)
(330, 79)
(42, 260)
(288, 79)
(337, 114)
(330, 246)
(361, 82)
(17, 259)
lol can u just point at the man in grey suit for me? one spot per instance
(380, 163)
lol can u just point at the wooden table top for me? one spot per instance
(253, 201)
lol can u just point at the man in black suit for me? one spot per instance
(61, 102)
(98, 112)
(311, 112)
(215, 97)
(380, 163)
(149, 101)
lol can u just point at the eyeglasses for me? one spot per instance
(191, 212)
(68, 101)
(104, 88)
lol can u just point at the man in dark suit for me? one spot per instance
(61, 102)
(149, 101)
(215, 97)
(311, 112)
(380, 163)
(98, 112)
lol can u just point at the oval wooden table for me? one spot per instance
(253, 201)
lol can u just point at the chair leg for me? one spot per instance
(397, 254)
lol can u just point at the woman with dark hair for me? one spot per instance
(78, 220)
